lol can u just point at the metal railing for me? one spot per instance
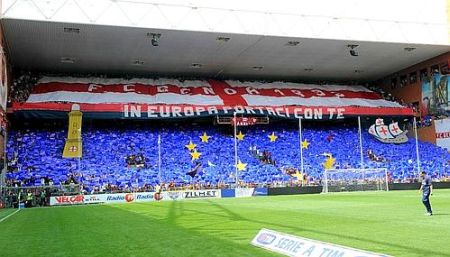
(31, 196)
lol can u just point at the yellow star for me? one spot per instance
(240, 136)
(195, 155)
(272, 137)
(191, 146)
(241, 166)
(305, 144)
(204, 137)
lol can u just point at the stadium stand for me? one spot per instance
(123, 155)
(35, 155)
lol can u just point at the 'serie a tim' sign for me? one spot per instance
(294, 246)
(67, 200)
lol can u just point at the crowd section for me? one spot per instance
(22, 87)
(125, 156)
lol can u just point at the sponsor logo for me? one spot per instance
(111, 198)
(266, 238)
(158, 196)
(200, 194)
(92, 199)
(129, 198)
(173, 195)
(69, 199)
(144, 196)
(260, 192)
(244, 192)
(291, 245)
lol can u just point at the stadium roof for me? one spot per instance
(115, 37)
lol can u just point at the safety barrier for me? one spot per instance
(73, 197)
(295, 190)
(416, 185)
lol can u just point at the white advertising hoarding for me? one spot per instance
(443, 133)
(134, 197)
(295, 246)
(102, 198)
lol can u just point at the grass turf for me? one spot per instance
(386, 222)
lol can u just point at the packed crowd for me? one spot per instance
(373, 157)
(136, 160)
(35, 155)
(22, 87)
(388, 96)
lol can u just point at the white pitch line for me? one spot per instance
(10, 215)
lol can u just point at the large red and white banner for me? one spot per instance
(443, 133)
(163, 98)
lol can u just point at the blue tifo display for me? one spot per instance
(36, 155)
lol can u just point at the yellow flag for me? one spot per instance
(298, 175)
(74, 125)
(73, 148)
(329, 162)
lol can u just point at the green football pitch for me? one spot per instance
(386, 222)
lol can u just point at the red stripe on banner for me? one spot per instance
(119, 108)
(442, 135)
(229, 94)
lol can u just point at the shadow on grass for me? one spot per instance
(117, 230)
(6, 212)
(234, 216)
